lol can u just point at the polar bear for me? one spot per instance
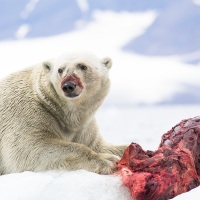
(48, 117)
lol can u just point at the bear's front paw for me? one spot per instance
(107, 163)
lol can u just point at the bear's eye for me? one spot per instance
(82, 66)
(60, 71)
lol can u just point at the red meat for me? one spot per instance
(171, 170)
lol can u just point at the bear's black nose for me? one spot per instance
(68, 87)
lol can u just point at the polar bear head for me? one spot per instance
(79, 76)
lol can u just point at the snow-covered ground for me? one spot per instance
(135, 80)
(144, 125)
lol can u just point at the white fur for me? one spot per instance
(41, 128)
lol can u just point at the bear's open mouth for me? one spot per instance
(71, 86)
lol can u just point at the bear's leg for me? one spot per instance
(117, 150)
(44, 153)
(94, 140)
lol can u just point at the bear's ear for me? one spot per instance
(107, 62)
(47, 66)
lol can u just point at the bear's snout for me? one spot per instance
(68, 87)
(71, 85)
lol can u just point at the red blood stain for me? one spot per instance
(72, 78)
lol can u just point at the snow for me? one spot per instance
(22, 31)
(191, 56)
(30, 6)
(197, 2)
(97, 36)
(83, 5)
(62, 185)
(135, 80)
